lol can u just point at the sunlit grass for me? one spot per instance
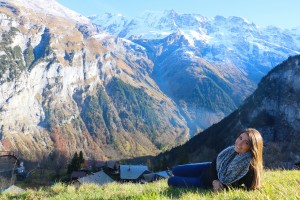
(278, 184)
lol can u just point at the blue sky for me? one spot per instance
(284, 14)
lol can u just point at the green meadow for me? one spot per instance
(279, 184)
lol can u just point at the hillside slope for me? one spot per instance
(273, 109)
(67, 86)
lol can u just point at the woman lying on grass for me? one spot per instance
(236, 166)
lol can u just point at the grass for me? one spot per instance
(280, 184)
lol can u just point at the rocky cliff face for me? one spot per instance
(66, 85)
(273, 109)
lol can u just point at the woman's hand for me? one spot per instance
(217, 185)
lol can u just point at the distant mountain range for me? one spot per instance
(207, 66)
(123, 88)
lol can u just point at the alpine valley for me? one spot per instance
(206, 66)
(119, 88)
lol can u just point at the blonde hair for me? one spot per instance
(256, 147)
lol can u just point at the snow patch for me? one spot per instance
(50, 7)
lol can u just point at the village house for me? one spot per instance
(99, 178)
(13, 190)
(111, 164)
(133, 172)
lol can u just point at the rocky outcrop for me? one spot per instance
(67, 86)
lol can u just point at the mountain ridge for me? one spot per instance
(67, 85)
(232, 53)
(272, 109)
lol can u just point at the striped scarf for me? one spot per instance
(232, 166)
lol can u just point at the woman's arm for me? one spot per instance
(248, 179)
(245, 182)
(209, 175)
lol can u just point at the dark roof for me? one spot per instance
(111, 164)
(77, 174)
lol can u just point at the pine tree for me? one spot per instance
(81, 159)
(75, 164)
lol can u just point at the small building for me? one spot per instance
(133, 172)
(99, 178)
(14, 190)
(156, 176)
(77, 174)
(111, 164)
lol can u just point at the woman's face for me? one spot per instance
(242, 143)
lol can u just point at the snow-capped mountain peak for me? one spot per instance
(49, 8)
(218, 31)
(149, 25)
